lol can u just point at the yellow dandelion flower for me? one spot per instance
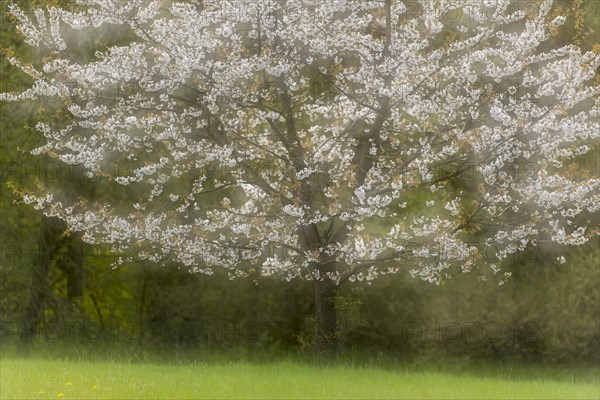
(94, 387)
(69, 384)
(60, 395)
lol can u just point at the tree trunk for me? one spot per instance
(38, 290)
(326, 340)
(72, 264)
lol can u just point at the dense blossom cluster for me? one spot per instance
(353, 105)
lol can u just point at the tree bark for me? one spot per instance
(326, 339)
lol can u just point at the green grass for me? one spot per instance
(44, 379)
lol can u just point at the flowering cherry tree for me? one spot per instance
(324, 140)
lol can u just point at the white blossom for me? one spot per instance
(231, 130)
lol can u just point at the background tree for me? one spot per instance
(240, 164)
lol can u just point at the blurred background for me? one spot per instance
(57, 292)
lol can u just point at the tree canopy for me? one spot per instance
(333, 140)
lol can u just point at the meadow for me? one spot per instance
(79, 379)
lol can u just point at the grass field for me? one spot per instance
(43, 379)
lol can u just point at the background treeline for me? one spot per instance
(56, 290)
